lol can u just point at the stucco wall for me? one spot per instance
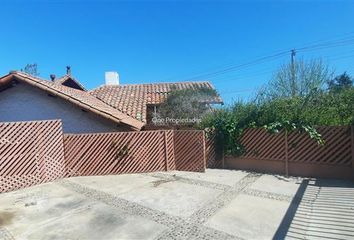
(26, 103)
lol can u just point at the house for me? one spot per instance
(111, 107)
(140, 100)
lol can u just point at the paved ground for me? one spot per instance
(218, 204)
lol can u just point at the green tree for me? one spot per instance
(227, 125)
(297, 80)
(343, 81)
(31, 69)
(187, 103)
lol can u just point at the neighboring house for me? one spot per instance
(140, 100)
(26, 98)
(108, 108)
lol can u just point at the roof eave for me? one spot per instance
(135, 124)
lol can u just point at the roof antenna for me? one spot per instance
(68, 70)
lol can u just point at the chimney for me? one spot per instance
(52, 77)
(112, 78)
(68, 70)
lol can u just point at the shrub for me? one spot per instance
(319, 108)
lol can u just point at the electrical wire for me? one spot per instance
(236, 67)
(320, 46)
(219, 75)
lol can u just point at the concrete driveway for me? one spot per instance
(218, 204)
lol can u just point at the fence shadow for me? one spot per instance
(290, 214)
(321, 209)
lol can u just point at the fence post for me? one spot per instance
(166, 151)
(41, 154)
(286, 154)
(352, 138)
(204, 151)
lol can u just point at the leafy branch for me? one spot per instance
(288, 126)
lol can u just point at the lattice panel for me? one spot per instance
(259, 144)
(336, 151)
(170, 150)
(133, 152)
(33, 153)
(30, 153)
(189, 150)
(113, 153)
(213, 156)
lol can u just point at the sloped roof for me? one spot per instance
(68, 78)
(80, 98)
(132, 99)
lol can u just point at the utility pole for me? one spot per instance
(293, 85)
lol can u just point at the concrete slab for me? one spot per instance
(139, 206)
(175, 198)
(38, 204)
(220, 176)
(50, 211)
(277, 184)
(250, 217)
(97, 222)
(115, 184)
(152, 192)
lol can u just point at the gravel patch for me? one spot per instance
(190, 181)
(5, 234)
(179, 228)
(194, 231)
(124, 205)
(183, 228)
(209, 209)
(269, 195)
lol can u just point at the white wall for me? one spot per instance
(26, 103)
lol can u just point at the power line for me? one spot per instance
(239, 91)
(235, 67)
(332, 38)
(325, 45)
(344, 57)
(327, 42)
(244, 74)
(218, 74)
(268, 70)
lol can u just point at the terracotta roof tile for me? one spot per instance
(133, 99)
(78, 97)
(65, 78)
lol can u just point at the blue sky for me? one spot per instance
(158, 41)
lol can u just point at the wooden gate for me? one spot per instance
(189, 148)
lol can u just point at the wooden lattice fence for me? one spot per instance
(189, 150)
(337, 150)
(30, 153)
(298, 154)
(38, 152)
(214, 153)
(134, 152)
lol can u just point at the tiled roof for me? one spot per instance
(133, 99)
(66, 78)
(81, 98)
